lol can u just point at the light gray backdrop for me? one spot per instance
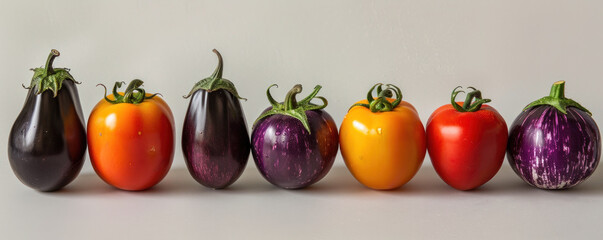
(511, 50)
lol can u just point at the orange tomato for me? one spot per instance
(131, 145)
(383, 150)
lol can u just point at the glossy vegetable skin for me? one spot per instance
(382, 143)
(467, 148)
(47, 142)
(554, 143)
(215, 141)
(131, 143)
(294, 144)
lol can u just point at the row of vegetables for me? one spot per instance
(553, 144)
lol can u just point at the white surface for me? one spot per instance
(512, 50)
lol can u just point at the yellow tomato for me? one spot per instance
(383, 150)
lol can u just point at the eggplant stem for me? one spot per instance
(293, 108)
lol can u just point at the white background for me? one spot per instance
(511, 50)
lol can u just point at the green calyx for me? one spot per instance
(473, 101)
(49, 78)
(557, 99)
(215, 81)
(293, 108)
(381, 102)
(133, 93)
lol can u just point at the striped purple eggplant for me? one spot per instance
(215, 140)
(294, 144)
(554, 143)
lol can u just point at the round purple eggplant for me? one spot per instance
(215, 140)
(294, 144)
(47, 142)
(554, 143)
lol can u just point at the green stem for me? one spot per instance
(134, 93)
(470, 96)
(49, 78)
(473, 101)
(293, 108)
(558, 90)
(218, 72)
(290, 101)
(215, 81)
(53, 54)
(558, 100)
(381, 102)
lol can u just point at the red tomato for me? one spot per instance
(466, 148)
(131, 145)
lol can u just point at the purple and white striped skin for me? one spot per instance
(552, 150)
(287, 155)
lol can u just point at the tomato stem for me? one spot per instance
(381, 103)
(473, 101)
(133, 94)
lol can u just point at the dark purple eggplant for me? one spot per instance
(554, 143)
(294, 144)
(47, 142)
(215, 140)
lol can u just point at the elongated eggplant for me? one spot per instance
(215, 140)
(47, 141)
